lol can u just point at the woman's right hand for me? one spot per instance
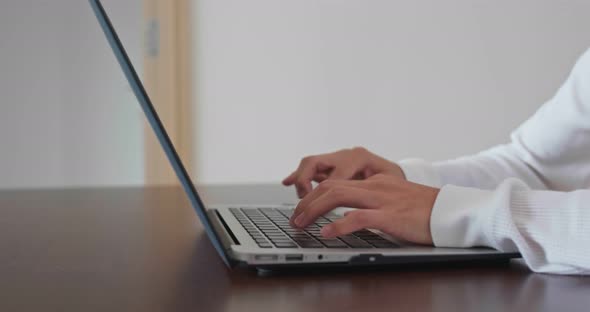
(348, 164)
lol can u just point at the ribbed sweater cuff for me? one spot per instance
(469, 217)
(460, 217)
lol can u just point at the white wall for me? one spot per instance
(67, 116)
(277, 80)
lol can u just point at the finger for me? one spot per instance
(354, 221)
(340, 196)
(320, 177)
(342, 173)
(290, 179)
(306, 164)
(322, 188)
(303, 182)
(308, 167)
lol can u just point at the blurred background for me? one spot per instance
(247, 88)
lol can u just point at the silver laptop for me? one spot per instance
(260, 236)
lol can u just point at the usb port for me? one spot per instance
(266, 257)
(294, 257)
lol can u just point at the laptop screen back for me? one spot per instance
(156, 124)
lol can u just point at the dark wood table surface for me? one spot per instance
(132, 249)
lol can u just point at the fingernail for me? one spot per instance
(299, 219)
(327, 231)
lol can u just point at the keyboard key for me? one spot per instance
(259, 224)
(254, 214)
(266, 232)
(269, 232)
(287, 214)
(355, 242)
(279, 237)
(370, 237)
(274, 233)
(271, 229)
(266, 227)
(303, 239)
(281, 240)
(265, 245)
(333, 243)
(286, 245)
(310, 244)
(284, 221)
(296, 233)
(300, 235)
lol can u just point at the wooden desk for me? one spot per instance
(144, 250)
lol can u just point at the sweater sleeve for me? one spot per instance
(550, 151)
(530, 195)
(550, 229)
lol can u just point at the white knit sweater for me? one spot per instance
(531, 195)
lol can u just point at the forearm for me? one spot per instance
(484, 170)
(550, 229)
(548, 151)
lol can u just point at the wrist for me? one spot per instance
(433, 195)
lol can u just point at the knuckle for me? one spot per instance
(377, 184)
(338, 191)
(299, 184)
(360, 150)
(336, 227)
(359, 218)
(326, 185)
(379, 176)
(308, 160)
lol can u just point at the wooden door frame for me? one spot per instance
(168, 78)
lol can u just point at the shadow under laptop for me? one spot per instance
(200, 277)
(330, 268)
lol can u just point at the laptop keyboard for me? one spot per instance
(269, 227)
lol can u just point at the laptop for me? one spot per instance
(260, 236)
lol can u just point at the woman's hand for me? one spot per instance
(350, 164)
(387, 203)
